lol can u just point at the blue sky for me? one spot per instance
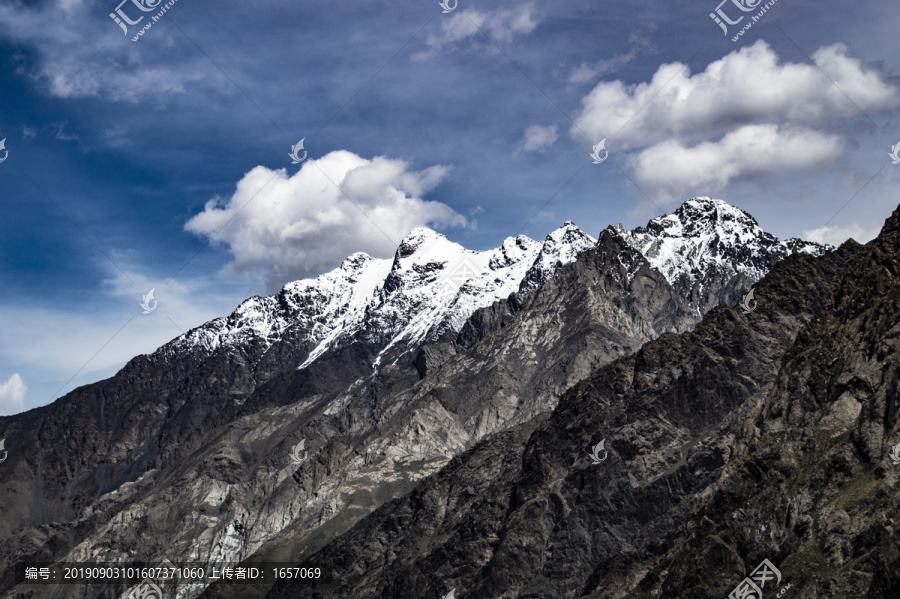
(163, 163)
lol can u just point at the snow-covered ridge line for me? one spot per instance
(704, 233)
(432, 285)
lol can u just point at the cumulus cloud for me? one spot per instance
(838, 235)
(671, 168)
(747, 86)
(291, 226)
(537, 137)
(12, 395)
(502, 25)
(747, 115)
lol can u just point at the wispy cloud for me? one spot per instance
(537, 137)
(54, 344)
(502, 25)
(68, 40)
(639, 43)
(839, 234)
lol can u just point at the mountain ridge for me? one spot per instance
(703, 234)
(425, 369)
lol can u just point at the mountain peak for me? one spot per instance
(417, 238)
(704, 216)
(705, 235)
(354, 262)
(562, 246)
(566, 232)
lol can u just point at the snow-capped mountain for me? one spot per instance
(704, 233)
(709, 251)
(707, 248)
(428, 290)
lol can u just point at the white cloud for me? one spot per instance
(61, 132)
(588, 72)
(12, 395)
(746, 116)
(537, 137)
(670, 169)
(839, 234)
(286, 227)
(639, 44)
(747, 86)
(68, 40)
(502, 25)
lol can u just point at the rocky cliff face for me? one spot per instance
(386, 368)
(760, 436)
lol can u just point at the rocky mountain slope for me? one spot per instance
(760, 436)
(386, 369)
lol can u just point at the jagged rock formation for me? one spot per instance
(387, 368)
(755, 436)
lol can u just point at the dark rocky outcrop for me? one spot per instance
(754, 436)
